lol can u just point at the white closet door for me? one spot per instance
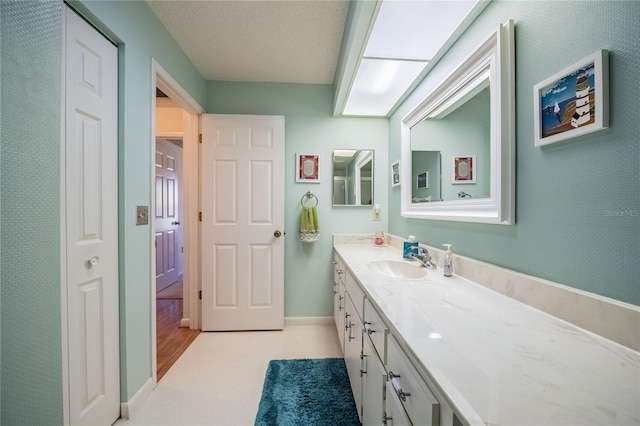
(91, 215)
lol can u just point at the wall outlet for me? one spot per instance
(376, 212)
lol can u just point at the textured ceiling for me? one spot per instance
(295, 41)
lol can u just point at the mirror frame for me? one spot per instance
(368, 158)
(498, 54)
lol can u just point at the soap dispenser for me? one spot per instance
(448, 261)
(409, 247)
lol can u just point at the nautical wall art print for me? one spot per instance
(573, 102)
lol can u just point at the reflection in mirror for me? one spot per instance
(460, 140)
(353, 177)
(461, 129)
(426, 186)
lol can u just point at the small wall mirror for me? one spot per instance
(353, 177)
(460, 144)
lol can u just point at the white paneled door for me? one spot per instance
(90, 182)
(168, 227)
(242, 222)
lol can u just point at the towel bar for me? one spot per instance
(309, 195)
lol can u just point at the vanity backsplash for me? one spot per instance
(609, 318)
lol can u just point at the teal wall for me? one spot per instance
(571, 197)
(30, 319)
(31, 369)
(311, 128)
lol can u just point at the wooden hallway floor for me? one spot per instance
(171, 339)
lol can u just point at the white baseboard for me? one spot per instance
(185, 322)
(130, 408)
(308, 320)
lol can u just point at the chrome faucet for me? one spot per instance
(422, 254)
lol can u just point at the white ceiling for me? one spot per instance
(294, 41)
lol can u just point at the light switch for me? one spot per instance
(142, 215)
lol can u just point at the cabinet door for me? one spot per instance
(373, 382)
(409, 388)
(338, 311)
(355, 292)
(353, 351)
(338, 298)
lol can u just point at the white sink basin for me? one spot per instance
(402, 269)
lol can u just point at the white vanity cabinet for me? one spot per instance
(386, 387)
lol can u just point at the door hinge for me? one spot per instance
(200, 216)
(200, 138)
(200, 294)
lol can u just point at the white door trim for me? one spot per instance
(162, 79)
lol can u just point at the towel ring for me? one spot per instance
(309, 195)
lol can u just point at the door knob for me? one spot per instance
(277, 234)
(177, 222)
(93, 261)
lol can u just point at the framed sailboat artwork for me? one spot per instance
(572, 102)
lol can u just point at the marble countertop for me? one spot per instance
(499, 361)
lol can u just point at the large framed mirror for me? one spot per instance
(353, 177)
(460, 141)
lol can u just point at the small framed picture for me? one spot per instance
(572, 102)
(308, 168)
(395, 174)
(464, 169)
(422, 180)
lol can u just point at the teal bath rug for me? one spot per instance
(307, 392)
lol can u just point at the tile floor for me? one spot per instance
(218, 380)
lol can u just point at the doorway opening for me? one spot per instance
(174, 229)
(172, 337)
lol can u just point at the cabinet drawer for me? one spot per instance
(354, 290)
(376, 329)
(421, 405)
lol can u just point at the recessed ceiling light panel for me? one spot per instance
(378, 85)
(415, 29)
